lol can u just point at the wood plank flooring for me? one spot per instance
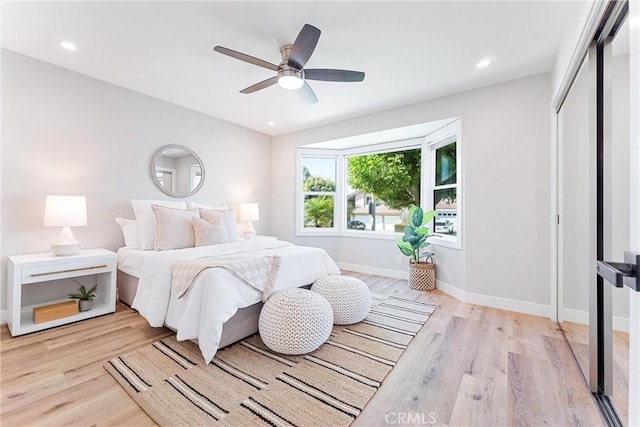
(468, 366)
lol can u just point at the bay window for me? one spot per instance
(365, 190)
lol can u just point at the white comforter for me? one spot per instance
(217, 294)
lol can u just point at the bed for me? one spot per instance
(219, 309)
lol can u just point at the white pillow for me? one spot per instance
(196, 205)
(174, 229)
(228, 218)
(209, 234)
(130, 232)
(147, 220)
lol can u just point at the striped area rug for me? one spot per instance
(247, 384)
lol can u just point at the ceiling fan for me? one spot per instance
(290, 72)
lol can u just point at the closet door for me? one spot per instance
(597, 191)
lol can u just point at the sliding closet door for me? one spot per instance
(595, 216)
(616, 214)
(576, 233)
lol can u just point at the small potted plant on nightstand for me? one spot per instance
(85, 297)
(422, 270)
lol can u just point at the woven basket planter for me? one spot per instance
(422, 276)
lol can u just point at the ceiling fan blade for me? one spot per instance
(246, 58)
(304, 46)
(329, 75)
(262, 85)
(307, 94)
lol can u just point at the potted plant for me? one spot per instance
(422, 273)
(85, 297)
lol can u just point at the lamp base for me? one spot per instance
(249, 234)
(65, 244)
(65, 249)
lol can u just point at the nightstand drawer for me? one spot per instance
(64, 270)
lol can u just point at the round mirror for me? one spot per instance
(177, 171)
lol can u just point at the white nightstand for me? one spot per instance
(42, 279)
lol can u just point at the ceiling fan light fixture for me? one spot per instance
(290, 82)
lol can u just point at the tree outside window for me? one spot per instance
(383, 186)
(318, 189)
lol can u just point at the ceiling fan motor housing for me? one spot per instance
(284, 69)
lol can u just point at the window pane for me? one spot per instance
(318, 211)
(381, 187)
(363, 215)
(446, 164)
(318, 174)
(446, 207)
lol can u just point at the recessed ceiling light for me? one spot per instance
(484, 63)
(271, 123)
(68, 45)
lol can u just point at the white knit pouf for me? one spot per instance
(349, 297)
(295, 321)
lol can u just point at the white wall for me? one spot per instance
(66, 133)
(506, 143)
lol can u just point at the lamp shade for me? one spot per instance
(65, 211)
(249, 212)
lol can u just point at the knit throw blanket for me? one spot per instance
(259, 272)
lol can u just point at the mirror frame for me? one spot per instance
(154, 160)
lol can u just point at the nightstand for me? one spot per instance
(37, 280)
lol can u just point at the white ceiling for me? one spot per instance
(410, 51)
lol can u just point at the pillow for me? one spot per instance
(228, 218)
(147, 220)
(174, 229)
(130, 232)
(196, 205)
(209, 234)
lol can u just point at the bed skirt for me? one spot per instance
(241, 325)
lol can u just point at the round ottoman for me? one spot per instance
(295, 321)
(349, 297)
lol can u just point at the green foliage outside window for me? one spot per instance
(392, 177)
(318, 210)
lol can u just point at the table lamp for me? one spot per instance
(65, 212)
(249, 212)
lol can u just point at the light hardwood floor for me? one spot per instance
(469, 365)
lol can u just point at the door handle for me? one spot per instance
(622, 274)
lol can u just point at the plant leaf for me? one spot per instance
(416, 216)
(410, 230)
(428, 216)
(405, 248)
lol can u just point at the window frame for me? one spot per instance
(301, 230)
(428, 144)
(438, 139)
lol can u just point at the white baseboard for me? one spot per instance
(519, 306)
(582, 317)
(459, 294)
(450, 290)
(384, 272)
(3, 317)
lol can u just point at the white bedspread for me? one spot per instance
(218, 295)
